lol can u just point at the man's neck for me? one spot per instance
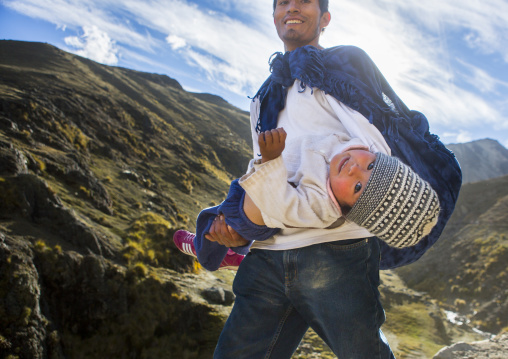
(291, 48)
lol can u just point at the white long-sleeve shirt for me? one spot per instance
(310, 113)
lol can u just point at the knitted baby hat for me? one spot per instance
(397, 205)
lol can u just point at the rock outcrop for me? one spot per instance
(62, 304)
(495, 348)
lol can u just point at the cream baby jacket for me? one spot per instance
(291, 190)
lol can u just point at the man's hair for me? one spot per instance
(323, 5)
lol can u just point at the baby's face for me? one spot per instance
(349, 173)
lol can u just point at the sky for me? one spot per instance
(445, 58)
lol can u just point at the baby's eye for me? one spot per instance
(370, 166)
(358, 187)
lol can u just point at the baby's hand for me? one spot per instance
(271, 144)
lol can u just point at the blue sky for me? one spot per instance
(445, 58)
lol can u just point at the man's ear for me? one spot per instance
(325, 19)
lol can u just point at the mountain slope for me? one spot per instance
(82, 111)
(467, 269)
(98, 167)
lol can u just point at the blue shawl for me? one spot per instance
(349, 75)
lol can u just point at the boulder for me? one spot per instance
(495, 348)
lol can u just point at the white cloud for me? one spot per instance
(409, 40)
(483, 23)
(242, 50)
(219, 72)
(75, 15)
(464, 136)
(481, 79)
(230, 52)
(458, 137)
(176, 42)
(94, 44)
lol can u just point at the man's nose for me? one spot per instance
(294, 6)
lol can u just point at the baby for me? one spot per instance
(330, 180)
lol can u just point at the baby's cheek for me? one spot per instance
(338, 188)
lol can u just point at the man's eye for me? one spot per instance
(370, 166)
(358, 187)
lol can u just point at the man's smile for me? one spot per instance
(293, 21)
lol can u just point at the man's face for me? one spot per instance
(349, 173)
(299, 22)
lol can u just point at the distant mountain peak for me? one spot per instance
(481, 159)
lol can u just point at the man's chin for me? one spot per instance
(293, 40)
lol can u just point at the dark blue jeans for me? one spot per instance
(331, 287)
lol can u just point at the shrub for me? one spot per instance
(139, 269)
(149, 240)
(459, 303)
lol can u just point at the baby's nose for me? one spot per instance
(353, 168)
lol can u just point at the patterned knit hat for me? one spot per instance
(397, 205)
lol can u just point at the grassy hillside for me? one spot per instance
(98, 167)
(466, 269)
(99, 131)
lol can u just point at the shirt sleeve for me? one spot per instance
(284, 206)
(254, 115)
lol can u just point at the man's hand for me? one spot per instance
(223, 234)
(271, 144)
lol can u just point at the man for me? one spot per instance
(325, 278)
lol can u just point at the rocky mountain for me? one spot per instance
(99, 166)
(467, 268)
(481, 160)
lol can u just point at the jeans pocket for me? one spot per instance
(348, 244)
